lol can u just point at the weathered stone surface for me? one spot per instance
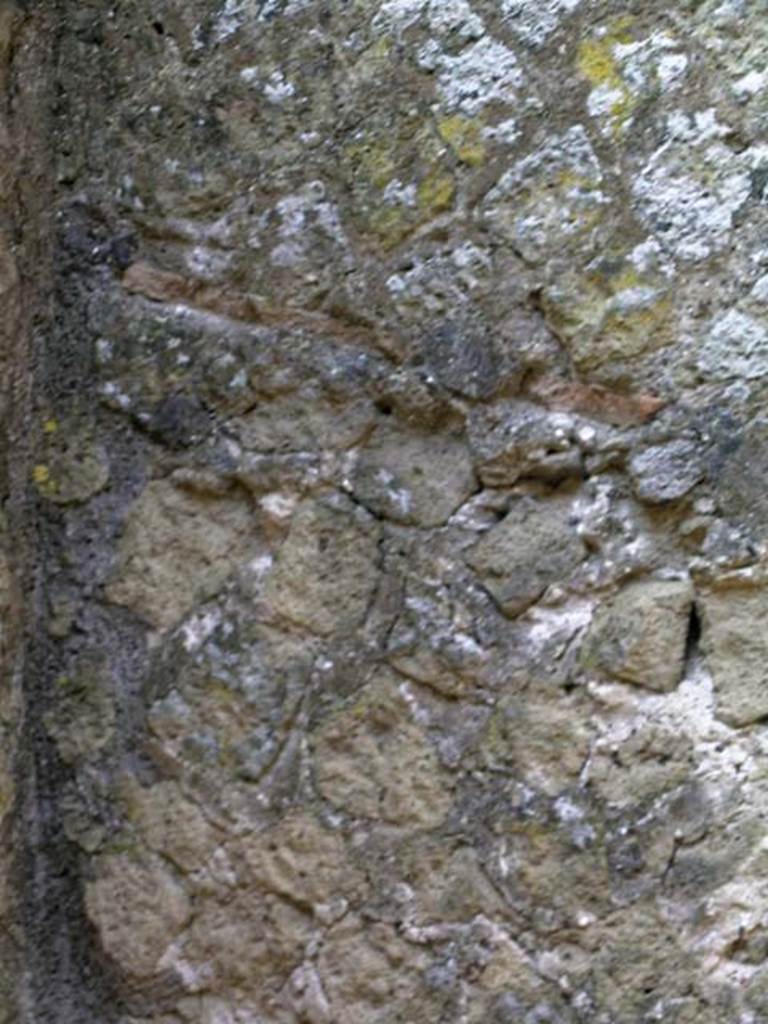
(733, 638)
(463, 359)
(532, 547)
(178, 548)
(82, 721)
(301, 861)
(547, 746)
(650, 761)
(248, 944)
(370, 761)
(446, 884)
(640, 635)
(414, 479)
(432, 640)
(517, 439)
(75, 467)
(138, 907)
(359, 976)
(374, 377)
(666, 472)
(172, 825)
(305, 421)
(325, 573)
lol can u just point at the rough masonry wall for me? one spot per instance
(386, 512)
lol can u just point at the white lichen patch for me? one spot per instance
(304, 215)
(393, 17)
(551, 199)
(229, 20)
(234, 15)
(735, 347)
(278, 89)
(688, 196)
(208, 264)
(625, 72)
(507, 132)
(482, 73)
(455, 20)
(199, 627)
(442, 282)
(452, 20)
(534, 21)
(759, 291)
(749, 85)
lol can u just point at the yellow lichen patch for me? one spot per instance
(50, 426)
(374, 160)
(611, 97)
(597, 63)
(464, 136)
(608, 319)
(435, 193)
(390, 224)
(43, 480)
(627, 278)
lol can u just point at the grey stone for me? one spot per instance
(463, 359)
(419, 479)
(534, 545)
(666, 472)
(517, 439)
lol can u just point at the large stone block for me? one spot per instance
(178, 548)
(736, 645)
(640, 635)
(418, 479)
(326, 571)
(533, 546)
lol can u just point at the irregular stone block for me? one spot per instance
(305, 421)
(418, 479)
(640, 635)
(248, 943)
(138, 907)
(650, 761)
(736, 646)
(173, 826)
(178, 548)
(302, 861)
(326, 571)
(356, 965)
(534, 546)
(447, 883)
(463, 360)
(372, 762)
(511, 440)
(666, 472)
(544, 744)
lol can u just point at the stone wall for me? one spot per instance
(384, 582)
